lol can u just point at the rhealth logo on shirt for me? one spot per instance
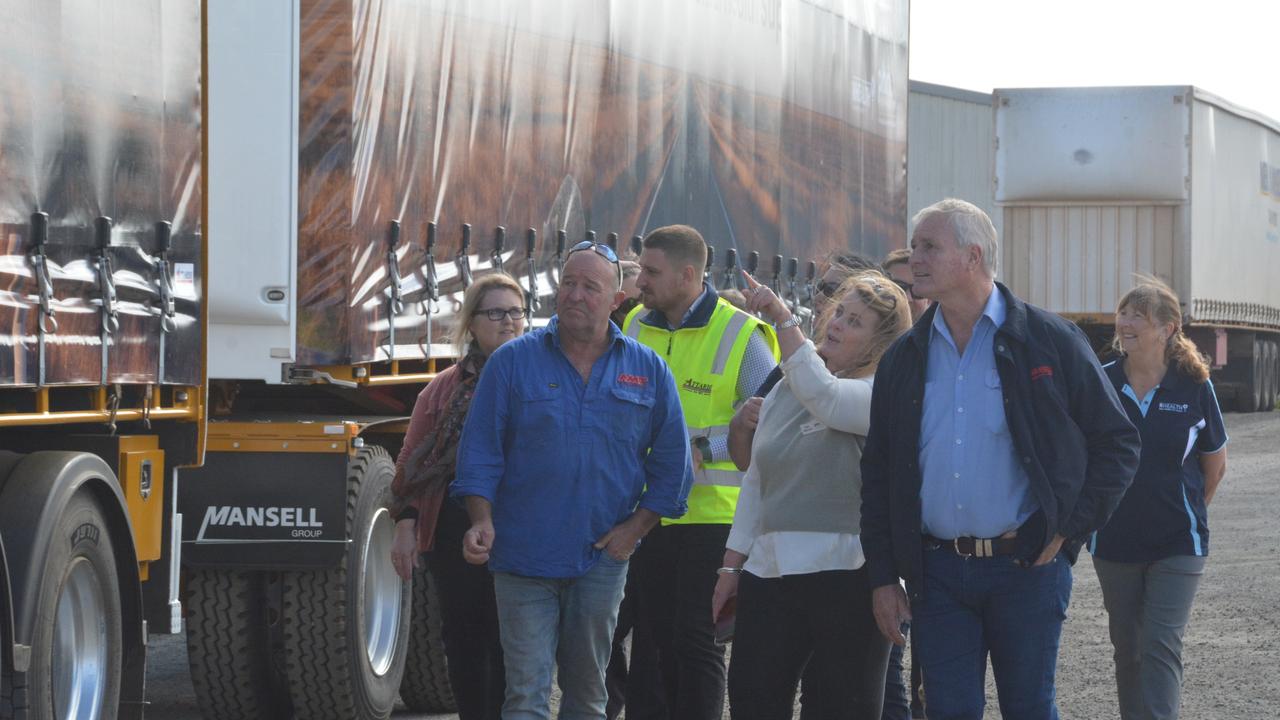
(636, 380)
(696, 387)
(1173, 407)
(1042, 371)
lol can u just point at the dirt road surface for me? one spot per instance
(1232, 652)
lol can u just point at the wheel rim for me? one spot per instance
(80, 645)
(382, 595)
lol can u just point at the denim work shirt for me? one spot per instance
(563, 461)
(972, 484)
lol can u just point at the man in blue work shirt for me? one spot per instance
(573, 449)
(997, 445)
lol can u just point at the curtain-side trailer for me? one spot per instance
(235, 237)
(367, 160)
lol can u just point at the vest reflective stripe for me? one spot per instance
(705, 362)
(727, 341)
(708, 432)
(712, 476)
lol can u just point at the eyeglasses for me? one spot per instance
(496, 314)
(829, 289)
(600, 249)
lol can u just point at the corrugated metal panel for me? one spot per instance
(949, 152)
(1082, 258)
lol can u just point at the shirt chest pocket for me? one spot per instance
(629, 415)
(991, 404)
(542, 411)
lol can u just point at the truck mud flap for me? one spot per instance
(264, 510)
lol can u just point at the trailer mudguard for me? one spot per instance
(264, 510)
(33, 492)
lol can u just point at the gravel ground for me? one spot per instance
(1232, 645)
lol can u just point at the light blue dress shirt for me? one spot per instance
(972, 484)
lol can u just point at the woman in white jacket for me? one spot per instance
(794, 562)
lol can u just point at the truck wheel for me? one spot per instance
(1249, 396)
(76, 652)
(1259, 374)
(1271, 372)
(228, 647)
(345, 627)
(425, 687)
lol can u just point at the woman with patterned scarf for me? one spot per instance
(493, 312)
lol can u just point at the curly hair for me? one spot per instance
(883, 297)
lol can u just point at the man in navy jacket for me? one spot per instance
(997, 446)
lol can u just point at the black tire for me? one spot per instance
(81, 547)
(425, 687)
(229, 649)
(1249, 396)
(1271, 373)
(1259, 374)
(329, 669)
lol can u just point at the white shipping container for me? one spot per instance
(949, 148)
(1097, 184)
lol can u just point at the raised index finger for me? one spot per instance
(751, 282)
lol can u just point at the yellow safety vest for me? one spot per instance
(705, 362)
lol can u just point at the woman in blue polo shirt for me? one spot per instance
(1151, 553)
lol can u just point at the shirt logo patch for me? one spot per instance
(637, 380)
(1043, 371)
(696, 387)
(1174, 407)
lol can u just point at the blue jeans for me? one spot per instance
(970, 607)
(547, 623)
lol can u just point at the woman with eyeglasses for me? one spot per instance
(493, 312)
(793, 562)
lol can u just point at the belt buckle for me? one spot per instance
(955, 545)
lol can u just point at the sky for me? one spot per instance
(1229, 47)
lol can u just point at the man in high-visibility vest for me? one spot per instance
(719, 355)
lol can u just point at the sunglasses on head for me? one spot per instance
(600, 249)
(829, 289)
(906, 288)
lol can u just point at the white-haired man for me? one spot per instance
(996, 446)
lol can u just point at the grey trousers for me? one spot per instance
(1147, 609)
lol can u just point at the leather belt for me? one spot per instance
(976, 547)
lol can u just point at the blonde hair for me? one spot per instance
(883, 297)
(1156, 301)
(471, 302)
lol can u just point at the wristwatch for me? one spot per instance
(790, 322)
(703, 445)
